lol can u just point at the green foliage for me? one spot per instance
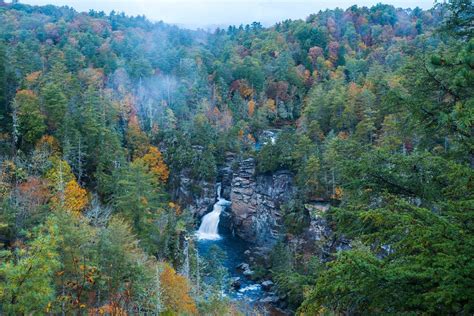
(125, 267)
(31, 125)
(4, 109)
(27, 274)
(54, 104)
(137, 198)
(217, 306)
(295, 217)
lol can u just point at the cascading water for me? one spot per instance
(210, 222)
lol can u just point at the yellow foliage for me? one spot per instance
(176, 289)
(337, 193)
(245, 91)
(59, 174)
(176, 207)
(271, 105)
(9, 175)
(394, 82)
(328, 64)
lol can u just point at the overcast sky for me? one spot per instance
(211, 13)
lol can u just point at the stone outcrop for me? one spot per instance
(198, 196)
(318, 239)
(225, 175)
(256, 201)
(267, 285)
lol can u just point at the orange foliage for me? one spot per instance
(109, 309)
(74, 198)
(343, 135)
(26, 93)
(353, 90)
(32, 77)
(241, 134)
(48, 144)
(337, 74)
(251, 106)
(35, 190)
(176, 207)
(337, 194)
(137, 140)
(216, 111)
(176, 292)
(250, 139)
(245, 90)
(154, 161)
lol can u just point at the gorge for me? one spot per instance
(320, 166)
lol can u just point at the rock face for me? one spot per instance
(226, 175)
(318, 239)
(198, 196)
(256, 201)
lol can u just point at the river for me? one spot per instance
(211, 233)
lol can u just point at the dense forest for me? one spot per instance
(370, 110)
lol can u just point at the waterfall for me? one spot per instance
(210, 221)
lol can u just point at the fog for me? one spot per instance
(211, 13)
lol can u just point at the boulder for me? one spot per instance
(235, 283)
(267, 285)
(243, 266)
(272, 299)
(248, 273)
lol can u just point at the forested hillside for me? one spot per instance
(369, 110)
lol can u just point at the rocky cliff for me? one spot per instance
(197, 195)
(256, 201)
